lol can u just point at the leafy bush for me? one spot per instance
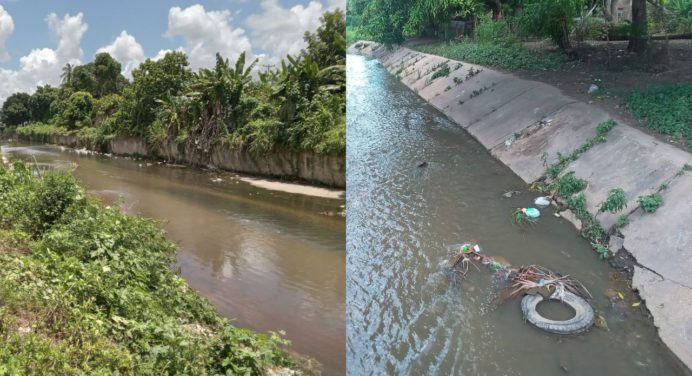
(568, 184)
(616, 201)
(40, 131)
(578, 205)
(601, 250)
(78, 110)
(651, 202)
(95, 293)
(493, 31)
(622, 221)
(505, 56)
(665, 109)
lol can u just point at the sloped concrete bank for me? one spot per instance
(525, 124)
(304, 166)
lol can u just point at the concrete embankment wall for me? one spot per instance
(525, 124)
(305, 166)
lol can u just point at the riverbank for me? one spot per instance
(88, 289)
(530, 126)
(304, 166)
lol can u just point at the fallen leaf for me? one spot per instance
(621, 296)
(637, 304)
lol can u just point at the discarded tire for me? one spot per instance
(583, 318)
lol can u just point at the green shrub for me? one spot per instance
(488, 30)
(443, 71)
(568, 184)
(98, 294)
(601, 250)
(651, 202)
(622, 221)
(616, 201)
(578, 205)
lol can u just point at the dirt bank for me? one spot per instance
(527, 124)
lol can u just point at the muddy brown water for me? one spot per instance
(405, 314)
(267, 260)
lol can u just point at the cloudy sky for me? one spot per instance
(38, 37)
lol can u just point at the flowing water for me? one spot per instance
(405, 314)
(267, 260)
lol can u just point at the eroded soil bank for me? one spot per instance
(525, 124)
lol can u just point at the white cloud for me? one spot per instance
(127, 51)
(6, 29)
(43, 65)
(206, 33)
(279, 30)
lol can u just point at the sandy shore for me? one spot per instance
(295, 188)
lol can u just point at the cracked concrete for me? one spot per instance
(525, 124)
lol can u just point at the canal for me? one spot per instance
(267, 260)
(405, 314)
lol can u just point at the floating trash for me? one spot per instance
(532, 213)
(542, 201)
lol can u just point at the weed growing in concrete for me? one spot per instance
(578, 205)
(443, 71)
(663, 187)
(601, 250)
(651, 202)
(563, 160)
(616, 201)
(569, 184)
(623, 221)
(683, 169)
(473, 72)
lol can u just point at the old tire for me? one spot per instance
(583, 314)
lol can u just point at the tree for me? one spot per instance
(66, 76)
(40, 103)
(153, 81)
(78, 110)
(106, 72)
(638, 32)
(15, 110)
(83, 78)
(327, 45)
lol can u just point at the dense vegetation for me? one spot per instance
(563, 21)
(299, 105)
(665, 109)
(86, 289)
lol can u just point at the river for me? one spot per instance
(405, 314)
(267, 260)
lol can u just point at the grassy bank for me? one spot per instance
(510, 56)
(85, 289)
(665, 109)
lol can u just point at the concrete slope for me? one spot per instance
(525, 124)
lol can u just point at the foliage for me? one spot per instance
(622, 221)
(78, 111)
(552, 18)
(40, 131)
(520, 217)
(616, 201)
(89, 290)
(578, 205)
(601, 250)
(650, 203)
(299, 105)
(568, 184)
(665, 109)
(15, 110)
(505, 56)
(493, 31)
(443, 71)
(40, 103)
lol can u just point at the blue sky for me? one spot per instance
(37, 37)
